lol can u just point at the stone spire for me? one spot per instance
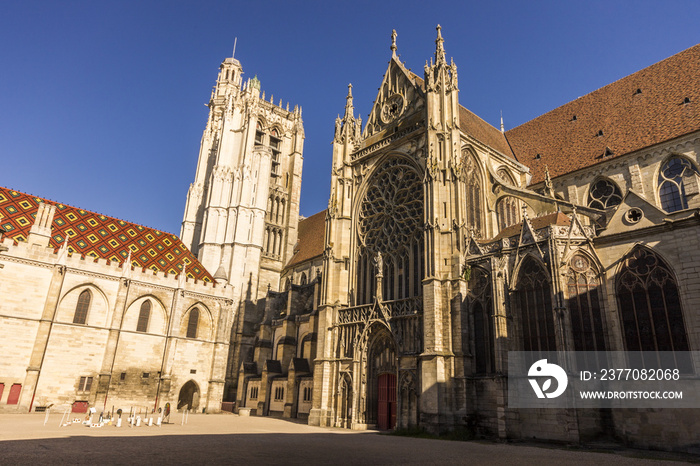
(349, 109)
(440, 75)
(348, 127)
(393, 43)
(439, 48)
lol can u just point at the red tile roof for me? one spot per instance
(557, 218)
(312, 231)
(99, 236)
(616, 118)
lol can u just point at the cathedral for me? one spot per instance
(447, 243)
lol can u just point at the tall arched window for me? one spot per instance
(604, 194)
(584, 305)
(473, 195)
(480, 295)
(674, 175)
(193, 323)
(508, 212)
(533, 300)
(302, 280)
(391, 223)
(82, 307)
(144, 316)
(650, 307)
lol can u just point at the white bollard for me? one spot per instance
(138, 421)
(119, 422)
(158, 422)
(150, 422)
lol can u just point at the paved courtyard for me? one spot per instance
(230, 439)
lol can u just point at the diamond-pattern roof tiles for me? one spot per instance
(100, 236)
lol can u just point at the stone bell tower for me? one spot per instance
(242, 209)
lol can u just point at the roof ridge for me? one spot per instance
(599, 89)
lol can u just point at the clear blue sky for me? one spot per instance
(102, 103)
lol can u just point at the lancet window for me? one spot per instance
(481, 307)
(391, 223)
(584, 305)
(144, 316)
(508, 212)
(193, 323)
(675, 177)
(650, 305)
(81, 309)
(533, 301)
(473, 194)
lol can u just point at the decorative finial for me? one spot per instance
(548, 187)
(349, 109)
(502, 127)
(234, 47)
(393, 42)
(439, 49)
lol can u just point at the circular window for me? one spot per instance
(634, 215)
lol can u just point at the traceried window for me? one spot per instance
(650, 307)
(144, 316)
(473, 195)
(302, 280)
(391, 223)
(604, 194)
(193, 323)
(81, 309)
(584, 305)
(508, 212)
(675, 177)
(480, 296)
(533, 300)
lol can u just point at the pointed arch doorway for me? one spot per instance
(382, 381)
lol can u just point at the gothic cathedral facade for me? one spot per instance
(448, 242)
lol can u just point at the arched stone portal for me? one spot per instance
(381, 387)
(189, 396)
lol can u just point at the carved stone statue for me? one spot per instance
(379, 263)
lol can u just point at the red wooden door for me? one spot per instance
(13, 397)
(2, 389)
(386, 398)
(80, 407)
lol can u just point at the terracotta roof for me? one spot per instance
(640, 110)
(483, 132)
(99, 236)
(312, 231)
(557, 218)
(476, 127)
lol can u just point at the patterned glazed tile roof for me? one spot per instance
(638, 111)
(311, 238)
(99, 236)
